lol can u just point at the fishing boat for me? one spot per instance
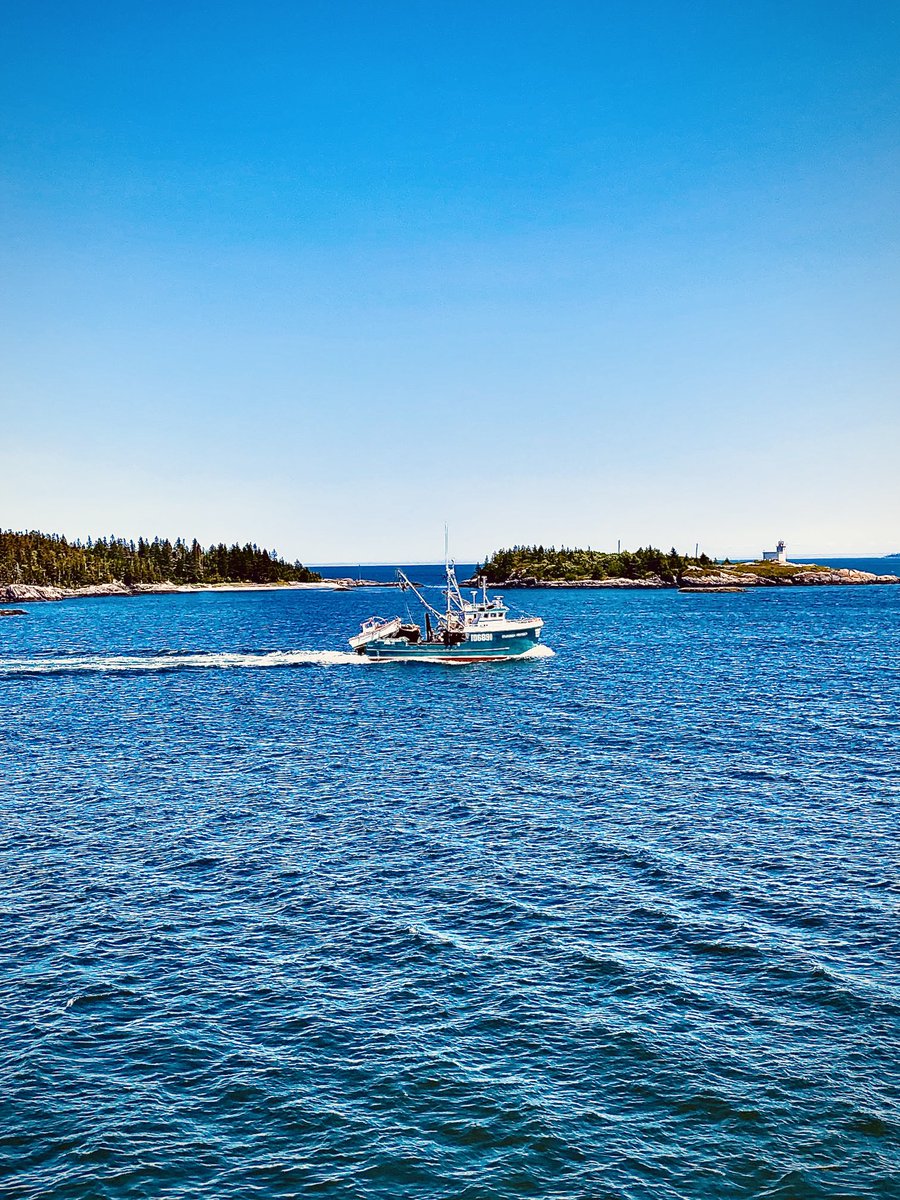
(476, 630)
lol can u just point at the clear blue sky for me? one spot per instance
(329, 275)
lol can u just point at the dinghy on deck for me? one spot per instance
(373, 630)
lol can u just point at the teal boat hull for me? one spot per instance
(478, 647)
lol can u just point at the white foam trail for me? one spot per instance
(132, 664)
(176, 662)
(539, 651)
(534, 652)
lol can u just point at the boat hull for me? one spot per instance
(478, 647)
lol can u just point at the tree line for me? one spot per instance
(51, 560)
(540, 563)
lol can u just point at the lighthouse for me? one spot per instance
(776, 555)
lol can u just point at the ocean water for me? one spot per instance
(621, 922)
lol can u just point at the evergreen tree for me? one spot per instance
(48, 559)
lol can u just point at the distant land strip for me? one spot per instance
(537, 566)
(37, 566)
(51, 561)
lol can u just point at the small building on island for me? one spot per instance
(776, 555)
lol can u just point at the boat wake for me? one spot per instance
(538, 652)
(140, 664)
(136, 664)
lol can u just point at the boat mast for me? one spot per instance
(453, 588)
(454, 596)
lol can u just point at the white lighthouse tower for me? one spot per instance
(776, 555)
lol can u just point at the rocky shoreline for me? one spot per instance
(529, 581)
(805, 577)
(695, 579)
(20, 593)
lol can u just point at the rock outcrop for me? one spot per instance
(841, 575)
(100, 589)
(18, 593)
(651, 581)
(154, 589)
(695, 578)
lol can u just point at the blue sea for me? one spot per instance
(618, 923)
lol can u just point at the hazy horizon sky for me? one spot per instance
(326, 277)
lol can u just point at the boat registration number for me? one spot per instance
(480, 637)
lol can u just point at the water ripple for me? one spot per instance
(619, 923)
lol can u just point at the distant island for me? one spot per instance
(537, 566)
(50, 560)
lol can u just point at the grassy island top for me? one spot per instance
(564, 565)
(49, 560)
